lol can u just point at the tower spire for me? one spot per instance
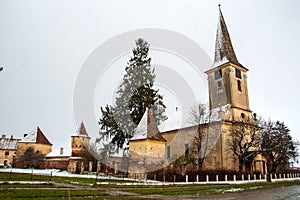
(223, 48)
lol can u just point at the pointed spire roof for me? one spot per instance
(82, 130)
(223, 48)
(147, 128)
(36, 136)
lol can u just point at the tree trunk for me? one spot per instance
(241, 164)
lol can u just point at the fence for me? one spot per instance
(33, 176)
(162, 177)
(205, 178)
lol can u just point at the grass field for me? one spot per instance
(84, 188)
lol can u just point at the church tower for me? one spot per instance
(227, 79)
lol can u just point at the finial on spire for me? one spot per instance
(220, 9)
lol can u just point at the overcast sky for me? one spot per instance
(44, 44)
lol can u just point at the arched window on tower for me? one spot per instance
(220, 89)
(168, 152)
(239, 85)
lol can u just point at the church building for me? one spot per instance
(228, 108)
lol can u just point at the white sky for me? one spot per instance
(43, 45)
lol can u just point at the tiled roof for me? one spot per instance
(223, 48)
(36, 136)
(181, 119)
(58, 153)
(82, 131)
(147, 128)
(8, 144)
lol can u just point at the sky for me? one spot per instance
(44, 46)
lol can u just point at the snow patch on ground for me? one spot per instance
(56, 172)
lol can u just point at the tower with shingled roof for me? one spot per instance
(80, 144)
(227, 79)
(80, 141)
(146, 147)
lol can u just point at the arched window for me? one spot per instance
(238, 73)
(168, 152)
(220, 89)
(239, 85)
(242, 115)
(218, 74)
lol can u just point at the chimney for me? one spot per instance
(61, 151)
(3, 136)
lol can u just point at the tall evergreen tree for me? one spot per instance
(134, 94)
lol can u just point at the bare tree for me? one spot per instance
(245, 140)
(277, 145)
(200, 115)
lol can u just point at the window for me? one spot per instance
(6, 153)
(168, 152)
(218, 74)
(242, 115)
(186, 147)
(238, 73)
(219, 89)
(239, 85)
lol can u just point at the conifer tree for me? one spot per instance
(134, 94)
(277, 146)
